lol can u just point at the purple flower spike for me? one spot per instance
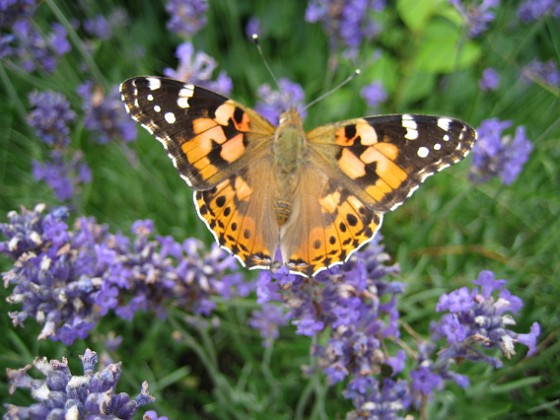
(197, 68)
(105, 115)
(272, 103)
(51, 117)
(374, 94)
(187, 16)
(346, 23)
(490, 79)
(481, 321)
(531, 10)
(497, 155)
(477, 18)
(63, 395)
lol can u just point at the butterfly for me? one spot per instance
(315, 197)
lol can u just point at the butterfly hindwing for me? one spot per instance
(206, 135)
(386, 158)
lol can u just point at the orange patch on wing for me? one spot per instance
(351, 165)
(316, 244)
(200, 145)
(224, 113)
(367, 134)
(388, 149)
(233, 149)
(386, 168)
(379, 190)
(341, 138)
(330, 202)
(242, 188)
(205, 168)
(244, 125)
(200, 125)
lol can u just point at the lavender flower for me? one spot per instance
(12, 11)
(253, 27)
(349, 23)
(63, 395)
(102, 27)
(531, 10)
(31, 48)
(99, 27)
(267, 320)
(490, 79)
(273, 103)
(543, 72)
(374, 94)
(105, 115)
(497, 155)
(477, 18)
(197, 68)
(481, 321)
(63, 176)
(187, 16)
(50, 117)
(68, 279)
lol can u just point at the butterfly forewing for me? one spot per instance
(386, 158)
(204, 133)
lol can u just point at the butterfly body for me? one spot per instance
(315, 196)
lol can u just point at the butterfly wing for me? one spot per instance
(209, 138)
(361, 169)
(384, 159)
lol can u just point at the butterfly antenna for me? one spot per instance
(334, 89)
(255, 38)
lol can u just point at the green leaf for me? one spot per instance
(416, 13)
(443, 49)
(416, 86)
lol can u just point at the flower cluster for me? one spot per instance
(103, 27)
(354, 307)
(197, 68)
(187, 16)
(477, 18)
(67, 279)
(348, 23)
(50, 117)
(64, 395)
(272, 102)
(497, 155)
(531, 10)
(65, 170)
(490, 79)
(543, 72)
(374, 94)
(24, 43)
(105, 115)
(476, 319)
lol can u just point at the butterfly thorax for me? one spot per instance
(288, 156)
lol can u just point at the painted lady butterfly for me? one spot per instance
(319, 195)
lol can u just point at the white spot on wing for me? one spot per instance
(157, 108)
(150, 97)
(446, 137)
(153, 83)
(411, 134)
(423, 152)
(183, 102)
(444, 123)
(437, 146)
(411, 127)
(169, 117)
